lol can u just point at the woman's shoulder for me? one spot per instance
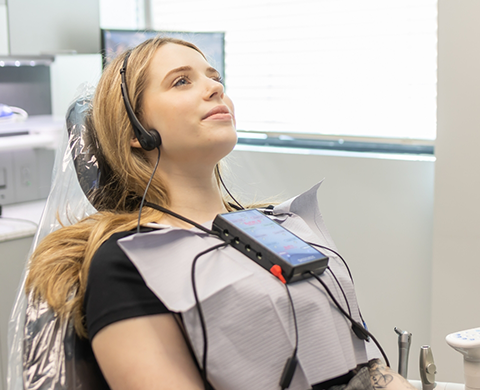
(109, 263)
(109, 251)
(115, 289)
(109, 255)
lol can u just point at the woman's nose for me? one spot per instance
(214, 88)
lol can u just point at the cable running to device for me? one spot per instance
(181, 217)
(346, 266)
(200, 311)
(291, 363)
(146, 189)
(358, 329)
(338, 254)
(341, 289)
(226, 189)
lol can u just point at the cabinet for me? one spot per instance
(15, 241)
(13, 256)
(32, 27)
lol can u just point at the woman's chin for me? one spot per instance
(223, 144)
(220, 153)
(229, 145)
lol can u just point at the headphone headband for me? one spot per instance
(149, 140)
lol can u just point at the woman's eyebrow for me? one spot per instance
(213, 70)
(188, 69)
(178, 70)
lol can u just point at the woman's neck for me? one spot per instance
(193, 196)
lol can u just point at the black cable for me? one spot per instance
(346, 266)
(358, 329)
(234, 206)
(200, 311)
(146, 189)
(342, 290)
(181, 217)
(294, 318)
(332, 297)
(226, 189)
(338, 254)
(291, 363)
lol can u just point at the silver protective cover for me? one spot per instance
(44, 352)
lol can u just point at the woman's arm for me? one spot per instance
(146, 352)
(383, 377)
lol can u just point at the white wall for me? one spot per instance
(456, 265)
(67, 74)
(3, 28)
(379, 212)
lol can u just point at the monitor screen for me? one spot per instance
(212, 44)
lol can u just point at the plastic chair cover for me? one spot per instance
(44, 352)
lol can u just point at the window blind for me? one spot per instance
(336, 67)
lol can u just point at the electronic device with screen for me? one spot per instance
(268, 243)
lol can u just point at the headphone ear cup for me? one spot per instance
(149, 140)
(157, 140)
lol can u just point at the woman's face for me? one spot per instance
(185, 102)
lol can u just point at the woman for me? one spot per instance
(137, 339)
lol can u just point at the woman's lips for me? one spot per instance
(219, 117)
(219, 113)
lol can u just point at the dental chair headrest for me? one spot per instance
(94, 174)
(82, 144)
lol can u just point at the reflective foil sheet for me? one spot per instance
(44, 352)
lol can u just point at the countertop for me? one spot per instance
(20, 220)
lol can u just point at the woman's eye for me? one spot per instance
(180, 82)
(218, 79)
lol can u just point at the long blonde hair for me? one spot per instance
(58, 268)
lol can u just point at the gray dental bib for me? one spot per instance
(247, 313)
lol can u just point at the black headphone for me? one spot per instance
(150, 139)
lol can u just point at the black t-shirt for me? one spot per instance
(116, 291)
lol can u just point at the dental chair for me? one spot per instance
(44, 352)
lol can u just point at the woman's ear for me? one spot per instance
(135, 144)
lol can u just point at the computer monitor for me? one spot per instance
(212, 44)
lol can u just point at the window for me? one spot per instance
(334, 67)
(302, 68)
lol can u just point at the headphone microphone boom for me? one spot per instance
(150, 139)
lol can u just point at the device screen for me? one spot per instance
(273, 236)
